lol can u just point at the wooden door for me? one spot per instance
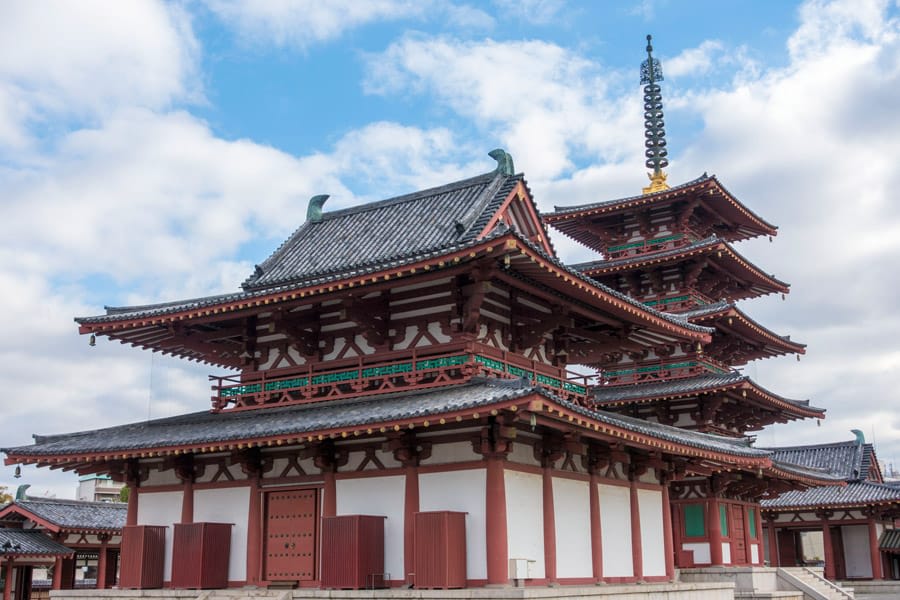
(738, 535)
(787, 547)
(291, 518)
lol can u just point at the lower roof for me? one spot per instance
(854, 494)
(71, 515)
(30, 543)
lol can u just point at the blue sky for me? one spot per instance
(152, 151)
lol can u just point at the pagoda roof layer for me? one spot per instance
(774, 344)
(854, 494)
(24, 542)
(849, 460)
(691, 386)
(760, 281)
(56, 514)
(378, 232)
(707, 189)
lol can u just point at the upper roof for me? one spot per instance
(850, 460)
(24, 542)
(706, 190)
(373, 233)
(760, 281)
(56, 514)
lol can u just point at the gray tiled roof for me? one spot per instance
(76, 514)
(592, 205)
(889, 540)
(848, 460)
(854, 493)
(686, 385)
(207, 427)
(29, 542)
(373, 233)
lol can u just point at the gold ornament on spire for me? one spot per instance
(654, 126)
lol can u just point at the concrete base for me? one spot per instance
(745, 579)
(874, 590)
(645, 591)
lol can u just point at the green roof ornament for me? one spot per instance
(860, 436)
(504, 161)
(21, 491)
(314, 209)
(654, 126)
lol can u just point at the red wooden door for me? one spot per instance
(738, 535)
(291, 518)
(787, 547)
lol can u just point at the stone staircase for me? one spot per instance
(812, 583)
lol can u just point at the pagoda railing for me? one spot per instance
(647, 246)
(662, 371)
(400, 371)
(676, 303)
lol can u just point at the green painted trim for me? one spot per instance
(694, 520)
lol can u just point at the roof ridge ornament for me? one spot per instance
(654, 126)
(314, 208)
(504, 161)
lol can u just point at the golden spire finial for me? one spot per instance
(654, 126)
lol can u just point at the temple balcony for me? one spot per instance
(663, 370)
(414, 369)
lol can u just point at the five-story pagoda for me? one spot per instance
(672, 249)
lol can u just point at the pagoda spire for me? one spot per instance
(654, 126)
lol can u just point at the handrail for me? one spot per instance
(372, 374)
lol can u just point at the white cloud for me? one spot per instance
(303, 22)
(67, 60)
(539, 12)
(693, 61)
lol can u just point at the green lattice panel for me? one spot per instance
(667, 300)
(751, 520)
(490, 363)
(549, 381)
(518, 372)
(286, 384)
(723, 519)
(250, 388)
(338, 377)
(388, 370)
(437, 363)
(574, 387)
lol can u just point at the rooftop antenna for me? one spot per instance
(654, 126)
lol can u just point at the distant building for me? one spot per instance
(99, 488)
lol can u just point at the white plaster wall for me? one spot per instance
(166, 477)
(726, 553)
(615, 530)
(525, 515)
(701, 552)
(856, 550)
(754, 553)
(572, 508)
(161, 508)
(653, 552)
(523, 453)
(378, 496)
(228, 505)
(451, 453)
(461, 491)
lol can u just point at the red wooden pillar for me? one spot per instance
(637, 553)
(877, 570)
(187, 501)
(57, 573)
(596, 531)
(748, 539)
(254, 531)
(668, 533)
(329, 502)
(410, 508)
(829, 548)
(774, 560)
(8, 584)
(715, 532)
(102, 561)
(131, 516)
(549, 524)
(495, 515)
